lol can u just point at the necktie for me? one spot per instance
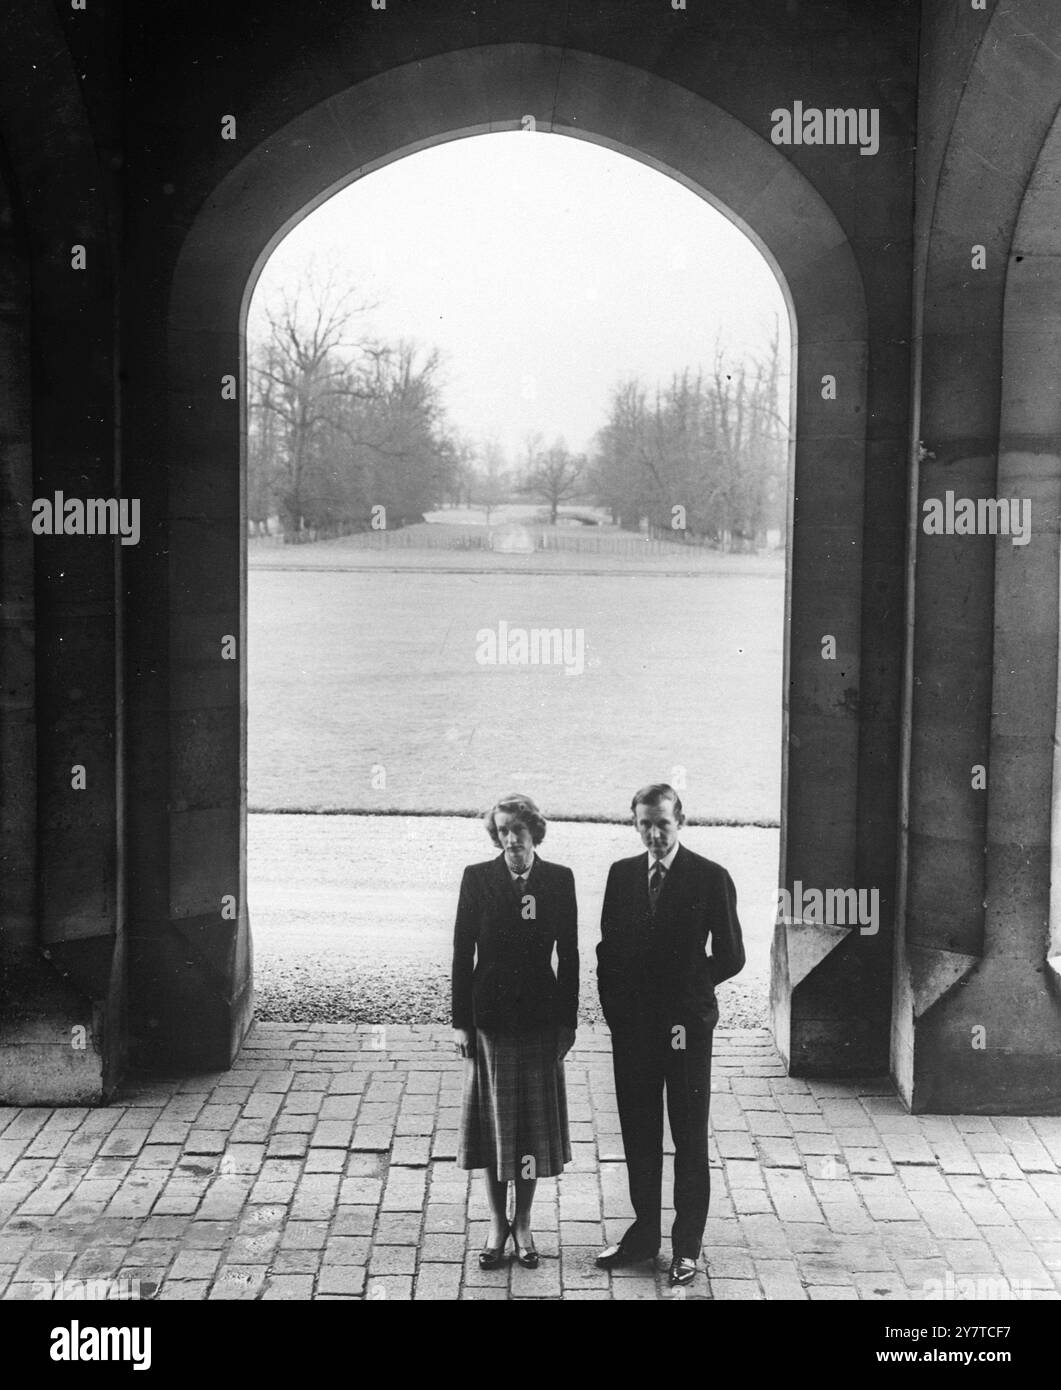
(655, 883)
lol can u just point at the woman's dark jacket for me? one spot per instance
(510, 938)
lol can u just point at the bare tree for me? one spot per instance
(491, 484)
(300, 374)
(263, 451)
(462, 474)
(341, 423)
(555, 475)
(619, 467)
(399, 425)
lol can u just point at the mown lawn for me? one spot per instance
(365, 692)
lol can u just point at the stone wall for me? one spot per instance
(124, 904)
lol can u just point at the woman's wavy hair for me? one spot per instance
(525, 811)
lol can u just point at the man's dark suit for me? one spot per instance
(657, 991)
(512, 986)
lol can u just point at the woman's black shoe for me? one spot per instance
(526, 1254)
(490, 1256)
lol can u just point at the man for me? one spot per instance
(669, 934)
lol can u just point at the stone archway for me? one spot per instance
(976, 1007)
(190, 974)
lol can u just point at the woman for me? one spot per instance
(514, 1019)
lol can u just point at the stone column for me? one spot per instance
(977, 1023)
(61, 1032)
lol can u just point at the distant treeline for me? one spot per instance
(340, 424)
(706, 455)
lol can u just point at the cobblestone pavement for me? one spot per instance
(322, 1166)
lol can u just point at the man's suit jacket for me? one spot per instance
(662, 969)
(512, 986)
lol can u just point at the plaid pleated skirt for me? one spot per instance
(514, 1106)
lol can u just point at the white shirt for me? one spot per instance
(664, 863)
(522, 874)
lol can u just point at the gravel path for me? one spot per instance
(352, 916)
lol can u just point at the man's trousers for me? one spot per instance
(650, 1060)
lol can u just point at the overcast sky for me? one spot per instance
(545, 268)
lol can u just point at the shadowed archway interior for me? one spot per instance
(274, 186)
(921, 280)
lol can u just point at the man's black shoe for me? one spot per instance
(682, 1270)
(616, 1256)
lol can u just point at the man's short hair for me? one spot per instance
(653, 794)
(524, 810)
